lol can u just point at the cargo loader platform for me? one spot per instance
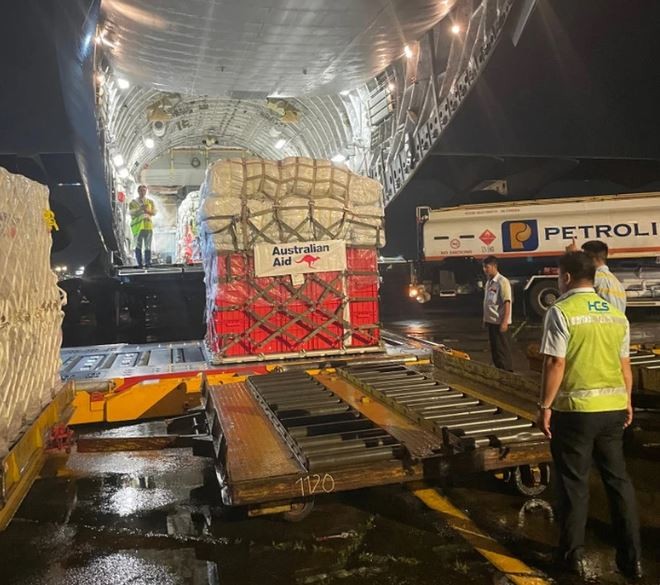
(646, 377)
(21, 465)
(124, 360)
(126, 382)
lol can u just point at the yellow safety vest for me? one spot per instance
(139, 220)
(593, 379)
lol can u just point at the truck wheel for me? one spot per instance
(529, 480)
(542, 296)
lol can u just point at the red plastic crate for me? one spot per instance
(362, 259)
(329, 312)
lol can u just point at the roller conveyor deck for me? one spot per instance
(323, 430)
(290, 436)
(463, 421)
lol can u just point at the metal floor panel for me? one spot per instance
(255, 450)
(124, 360)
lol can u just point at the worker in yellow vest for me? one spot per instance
(584, 406)
(141, 210)
(606, 284)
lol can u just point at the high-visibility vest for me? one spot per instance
(593, 378)
(139, 220)
(610, 288)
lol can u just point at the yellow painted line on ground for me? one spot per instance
(515, 570)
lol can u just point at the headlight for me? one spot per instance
(423, 298)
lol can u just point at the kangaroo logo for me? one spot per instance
(309, 259)
(520, 235)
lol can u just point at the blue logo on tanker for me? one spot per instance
(521, 235)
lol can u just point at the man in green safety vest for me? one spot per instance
(142, 209)
(584, 406)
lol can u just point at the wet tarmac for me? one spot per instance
(155, 517)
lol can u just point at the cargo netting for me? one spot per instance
(187, 230)
(30, 306)
(246, 204)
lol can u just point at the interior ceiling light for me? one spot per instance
(118, 159)
(345, 92)
(123, 172)
(391, 86)
(100, 78)
(280, 144)
(338, 158)
(123, 83)
(455, 29)
(149, 142)
(407, 51)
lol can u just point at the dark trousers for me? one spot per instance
(500, 347)
(143, 239)
(578, 438)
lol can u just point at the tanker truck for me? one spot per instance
(529, 236)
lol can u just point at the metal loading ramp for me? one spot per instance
(290, 436)
(282, 438)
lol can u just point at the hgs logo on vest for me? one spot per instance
(599, 306)
(299, 258)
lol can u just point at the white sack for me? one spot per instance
(30, 307)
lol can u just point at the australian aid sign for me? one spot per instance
(299, 258)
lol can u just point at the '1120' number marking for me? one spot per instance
(315, 484)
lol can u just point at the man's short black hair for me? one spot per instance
(490, 261)
(596, 249)
(579, 265)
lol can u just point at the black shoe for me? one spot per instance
(576, 562)
(631, 570)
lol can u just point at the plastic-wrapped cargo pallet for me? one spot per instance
(30, 307)
(187, 230)
(290, 258)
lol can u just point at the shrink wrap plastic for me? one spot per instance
(188, 250)
(247, 202)
(30, 307)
